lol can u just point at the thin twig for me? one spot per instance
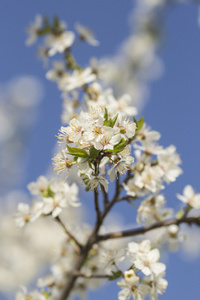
(127, 198)
(96, 195)
(142, 230)
(93, 239)
(97, 276)
(68, 232)
(105, 196)
(117, 186)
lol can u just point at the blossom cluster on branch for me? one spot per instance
(110, 150)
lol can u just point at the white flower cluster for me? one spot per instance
(97, 137)
(57, 38)
(53, 197)
(154, 166)
(98, 140)
(69, 75)
(145, 262)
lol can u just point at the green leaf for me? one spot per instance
(120, 146)
(180, 214)
(46, 294)
(87, 188)
(139, 125)
(107, 123)
(47, 193)
(77, 152)
(94, 152)
(117, 148)
(46, 21)
(115, 275)
(90, 165)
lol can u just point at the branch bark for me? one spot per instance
(142, 230)
(93, 238)
(97, 276)
(69, 233)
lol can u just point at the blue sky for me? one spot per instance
(173, 106)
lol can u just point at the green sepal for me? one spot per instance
(56, 22)
(107, 123)
(116, 275)
(77, 152)
(106, 114)
(86, 180)
(110, 122)
(183, 212)
(48, 193)
(93, 152)
(113, 121)
(46, 22)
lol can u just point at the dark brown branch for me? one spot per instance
(105, 196)
(96, 201)
(96, 195)
(142, 230)
(93, 238)
(68, 233)
(97, 276)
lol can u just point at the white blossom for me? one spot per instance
(23, 214)
(149, 178)
(33, 30)
(190, 197)
(93, 181)
(57, 72)
(110, 256)
(86, 34)
(129, 286)
(169, 160)
(61, 162)
(60, 42)
(38, 187)
(148, 263)
(77, 79)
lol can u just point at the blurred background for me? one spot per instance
(165, 85)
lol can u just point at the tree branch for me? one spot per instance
(97, 276)
(105, 196)
(142, 230)
(96, 201)
(93, 239)
(69, 233)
